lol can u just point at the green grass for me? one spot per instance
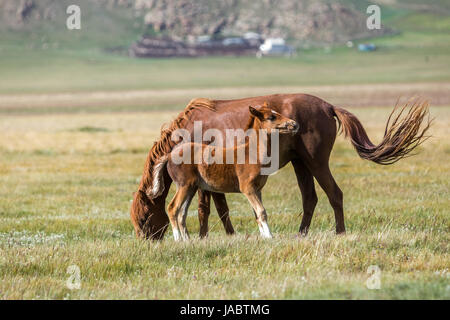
(66, 179)
(91, 70)
(65, 194)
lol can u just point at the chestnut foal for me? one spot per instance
(221, 176)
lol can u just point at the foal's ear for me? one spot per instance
(255, 112)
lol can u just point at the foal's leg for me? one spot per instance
(222, 209)
(255, 200)
(305, 181)
(173, 210)
(204, 209)
(177, 212)
(334, 194)
(189, 193)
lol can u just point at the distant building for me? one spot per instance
(366, 47)
(203, 39)
(253, 38)
(275, 47)
(235, 41)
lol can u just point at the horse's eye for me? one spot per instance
(271, 118)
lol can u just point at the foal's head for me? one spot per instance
(268, 119)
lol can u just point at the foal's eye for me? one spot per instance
(271, 118)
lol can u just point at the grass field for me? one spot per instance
(76, 123)
(65, 191)
(410, 57)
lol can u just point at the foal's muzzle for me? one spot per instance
(289, 127)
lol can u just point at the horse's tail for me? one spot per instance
(157, 187)
(401, 136)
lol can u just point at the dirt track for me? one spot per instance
(344, 95)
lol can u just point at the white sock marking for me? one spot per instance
(265, 230)
(176, 234)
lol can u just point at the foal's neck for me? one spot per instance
(255, 124)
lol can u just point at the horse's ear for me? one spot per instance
(255, 112)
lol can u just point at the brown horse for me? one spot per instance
(213, 172)
(308, 151)
(148, 216)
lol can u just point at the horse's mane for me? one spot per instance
(165, 144)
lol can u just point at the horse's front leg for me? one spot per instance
(222, 209)
(254, 197)
(204, 209)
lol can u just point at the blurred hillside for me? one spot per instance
(120, 22)
(38, 54)
(304, 22)
(308, 20)
(42, 24)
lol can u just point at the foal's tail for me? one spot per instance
(401, 136)
(157, 187)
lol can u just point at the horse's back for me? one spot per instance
(316, 135)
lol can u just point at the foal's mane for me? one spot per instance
(165, 144)
(250, 122)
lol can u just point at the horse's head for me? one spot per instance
(148, 216)
(268, 119)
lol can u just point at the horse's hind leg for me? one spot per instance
(305, 181)
(204, 209)
(222, 209)
(334, 194)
